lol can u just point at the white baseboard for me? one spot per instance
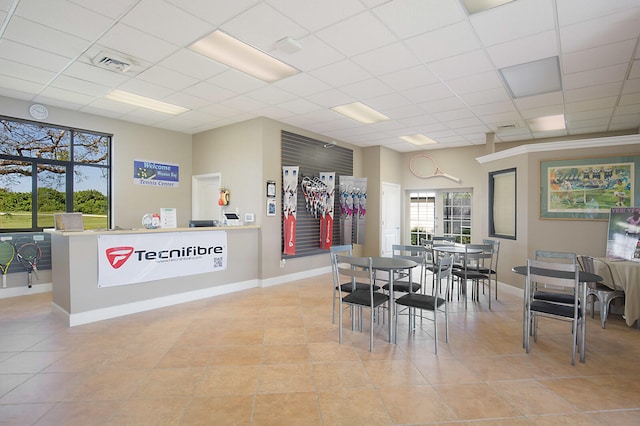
(283, 279)
(24, 290)
(147, 305)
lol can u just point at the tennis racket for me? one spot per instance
(7, 253)
(28, 255)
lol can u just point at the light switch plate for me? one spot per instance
(249, 217)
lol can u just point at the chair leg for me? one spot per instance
(435, 326)
(604, 312)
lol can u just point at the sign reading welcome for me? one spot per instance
(155, 174)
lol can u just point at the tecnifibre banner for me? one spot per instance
(135, 258)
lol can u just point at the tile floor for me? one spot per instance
(271, 357)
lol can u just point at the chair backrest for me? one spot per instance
(345, 248)
(353, 268)
(415, 253)
(563, 276)
(418, 254)
(483, 259)
(496, 251)
(445, 267)
(555, 256)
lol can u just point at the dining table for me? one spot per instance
(459, 250)
(584, 277)
(619, 274)
(391, 265)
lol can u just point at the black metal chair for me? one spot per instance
(557, 277)
(358, 269)
(432, 303)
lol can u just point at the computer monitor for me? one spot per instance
(201, 223)
(231, 216)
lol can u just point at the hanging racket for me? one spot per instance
(7, 254)
(425, 167)
(28, 255)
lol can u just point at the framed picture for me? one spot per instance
(271, 207)
(586, 189)
(271, 189)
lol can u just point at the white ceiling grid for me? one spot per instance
(426, 64)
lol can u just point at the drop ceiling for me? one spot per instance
(427, 64)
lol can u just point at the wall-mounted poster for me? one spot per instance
(155, 174)
(289, 203)
(587, 188)
(624, 234)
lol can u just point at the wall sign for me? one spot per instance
(155, 174)
(135, 258)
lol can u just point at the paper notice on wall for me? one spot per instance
(289, 207)
(168, 218)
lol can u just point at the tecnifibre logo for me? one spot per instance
(117, 256)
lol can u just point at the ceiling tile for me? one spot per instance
(408, 18)
(597, 57)
(367, 89)
(184, 28)
(44, 38)
(358, 34)
(444, 42)
(261, 26)
(215, 12)
(188, 62)
(55, 14)
(111, 8)
(525, 49)
(136, 44)
(409, 78)
(314, 54)
(314, 16)
(25, 72)
(167, 78)
(600, 31)
(513, 20)
(593, 92)
(341, 73)
(396, 57)
(461, 66)
(594, 77)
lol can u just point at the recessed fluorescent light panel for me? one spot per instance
(547, 124)
(143, 102)
(236, 54)
(418, 139)
(477, 6)
(361, 113)
(533, 78)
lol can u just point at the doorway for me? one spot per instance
(205, 190)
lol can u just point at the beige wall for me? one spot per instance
(130, 142)
(248, 154)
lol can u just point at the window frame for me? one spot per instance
(69, 166)
(492, 201)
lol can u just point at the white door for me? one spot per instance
(205, 191)
(390, 217)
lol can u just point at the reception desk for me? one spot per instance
(622, 275)
(78, 298)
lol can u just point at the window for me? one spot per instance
(502, 204)
(47, 169)
(421, 216)
(456, 217)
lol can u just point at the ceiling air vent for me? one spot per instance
(113, 62)
(503, 127)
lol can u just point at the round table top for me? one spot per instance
(456, 249)
(390, 263)
(584, 277)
